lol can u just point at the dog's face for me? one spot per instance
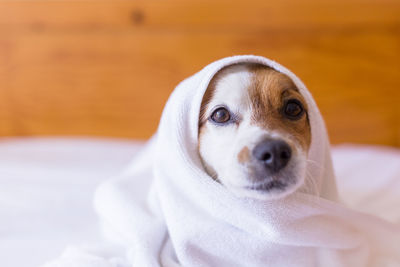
(254, 132)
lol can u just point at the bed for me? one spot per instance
(48, 185)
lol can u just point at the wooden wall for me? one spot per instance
(106, 68)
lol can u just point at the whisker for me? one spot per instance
(316, 164)
(311, 184)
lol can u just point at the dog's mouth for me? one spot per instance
(272, 185)
(264, 191)
(255, 182)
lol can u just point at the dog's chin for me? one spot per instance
(271, 190)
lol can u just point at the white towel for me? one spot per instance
(166, 211)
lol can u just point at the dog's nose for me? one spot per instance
(273, 154)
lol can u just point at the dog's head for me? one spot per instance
(254, 132)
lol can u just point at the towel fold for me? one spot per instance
(166, 211)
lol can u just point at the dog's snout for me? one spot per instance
(273, 154)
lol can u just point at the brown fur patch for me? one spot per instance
(268, 92)
(244, 155)
(208, 94)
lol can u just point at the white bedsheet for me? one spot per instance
(46, 191)
(47, 185)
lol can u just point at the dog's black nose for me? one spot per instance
(273, 154)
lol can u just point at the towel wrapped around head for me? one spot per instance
(165, 210)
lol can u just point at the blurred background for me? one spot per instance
(107, 67)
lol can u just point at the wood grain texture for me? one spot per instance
(106, 68)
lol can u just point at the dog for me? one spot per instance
(254, 132)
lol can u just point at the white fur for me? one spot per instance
(220, 145)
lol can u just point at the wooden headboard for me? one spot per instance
(106, 68)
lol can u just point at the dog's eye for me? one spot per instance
(220, 115)
(293, 109)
